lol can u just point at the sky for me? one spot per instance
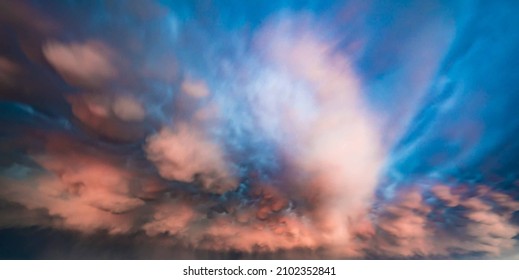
(259, 129)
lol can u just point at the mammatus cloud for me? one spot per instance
(185, 155)
(81, 64)
(446, 220)
(288, 132)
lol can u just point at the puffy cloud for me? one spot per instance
(128, 109)
(109, 115)
(444, 193)
(185, 154)
(404, 227)
(87, 64)
(441, 223)
(171, 218)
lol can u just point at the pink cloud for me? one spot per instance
(88, 64)
(184, 154)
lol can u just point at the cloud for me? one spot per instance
(311, 105)
(404, 227)
(88, 64)
(8, 70)
(446, 221)
(184, 154)
(325, 131)
(110, 115)
(172, 219)
(196, 89)
(128, 109)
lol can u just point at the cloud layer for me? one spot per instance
(324, 129)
